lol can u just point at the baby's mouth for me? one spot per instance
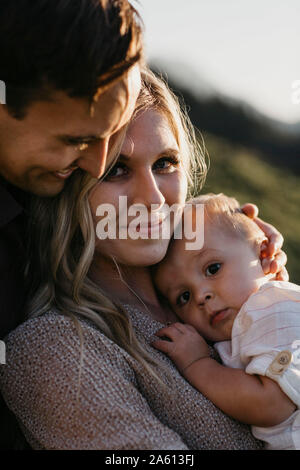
(218, 316)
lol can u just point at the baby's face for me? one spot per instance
(206, 288)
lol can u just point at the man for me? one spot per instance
(71, 72)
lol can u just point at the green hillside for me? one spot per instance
(239, 172)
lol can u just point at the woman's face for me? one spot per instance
(148, 172)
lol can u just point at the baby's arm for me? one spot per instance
(252, 399)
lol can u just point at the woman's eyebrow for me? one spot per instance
(169, 152)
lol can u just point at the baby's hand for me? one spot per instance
(186, 345)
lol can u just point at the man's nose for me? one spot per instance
(147, 191)
(94, 158)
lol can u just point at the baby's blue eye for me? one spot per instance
(212, 269)
(183, 298)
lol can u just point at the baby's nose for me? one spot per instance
(204, 297)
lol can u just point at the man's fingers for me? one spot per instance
(278, 263)
(274, 265)
(251, 210)
(275, 238)
(280, 260)
(274, 245)
(282, 275)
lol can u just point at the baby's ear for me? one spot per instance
(263, 246)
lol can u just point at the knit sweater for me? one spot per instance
(114, 403)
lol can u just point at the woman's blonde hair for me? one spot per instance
(63, 235)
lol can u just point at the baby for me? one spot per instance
(221, 294)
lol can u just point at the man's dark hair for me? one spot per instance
(76, 46)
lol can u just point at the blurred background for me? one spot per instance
(234, 63)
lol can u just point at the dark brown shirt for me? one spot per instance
(12, 290)
(12, 258)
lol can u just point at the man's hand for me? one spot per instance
(273, 259)
(185, 347)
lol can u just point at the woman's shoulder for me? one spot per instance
(52, 348)
(52, 325)
(49, 323)
(38, 333)
(54, 337)
(60, 383)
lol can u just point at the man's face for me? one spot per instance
(38, 153)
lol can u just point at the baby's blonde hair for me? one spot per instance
(226, 213)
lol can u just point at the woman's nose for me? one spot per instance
(147, 192)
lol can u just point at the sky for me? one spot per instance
(245, 49)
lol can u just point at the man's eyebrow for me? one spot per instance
(78, 139)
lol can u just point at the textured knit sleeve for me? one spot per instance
(61, 405)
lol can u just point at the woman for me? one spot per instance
(81, 373)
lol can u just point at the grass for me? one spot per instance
(245, 175)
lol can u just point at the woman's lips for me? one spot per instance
(150, 228)
(218, 316)
(147, 228)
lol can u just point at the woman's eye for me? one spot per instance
(167, 164)
(182, 299)
(212, 269)
(118, 170)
